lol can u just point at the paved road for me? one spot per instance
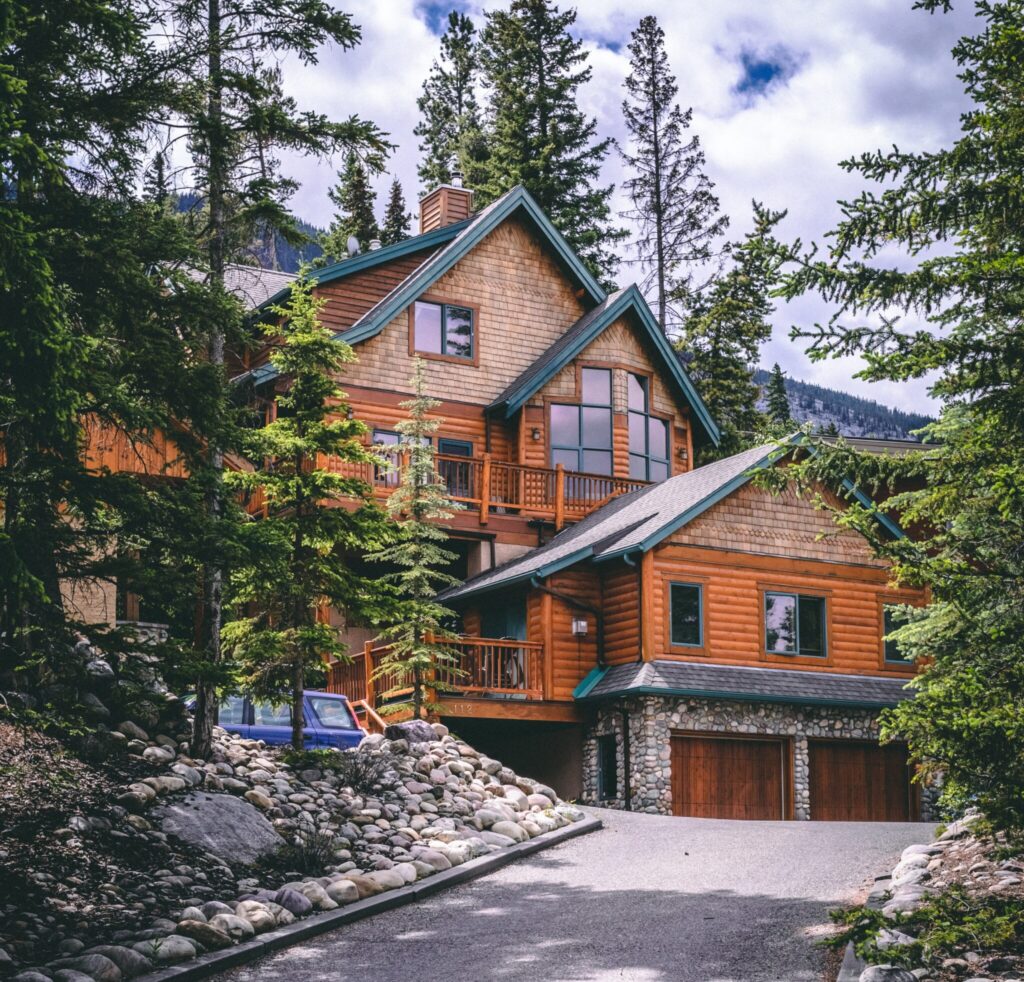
(649, 899)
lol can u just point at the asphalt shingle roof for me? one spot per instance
(755, 684)
(253, 285)
(622, 525)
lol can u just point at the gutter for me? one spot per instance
(653, 690)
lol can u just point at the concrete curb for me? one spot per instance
(217, 961)
(852, 966)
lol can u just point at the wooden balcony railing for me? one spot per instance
(495, 667)
(491, 486)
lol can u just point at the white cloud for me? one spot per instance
(869, 75)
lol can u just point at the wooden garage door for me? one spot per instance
(854, 781)
(726, 778)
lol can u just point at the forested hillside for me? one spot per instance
(852, 415)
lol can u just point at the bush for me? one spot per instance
(310, 853)
(365, 771)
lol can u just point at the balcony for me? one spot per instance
(488, 487)
(488, 668)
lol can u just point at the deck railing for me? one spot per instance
(490, 486)
(489, 667)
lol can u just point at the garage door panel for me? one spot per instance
(860, 781)
(728, 778)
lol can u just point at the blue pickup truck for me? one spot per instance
(330, 721)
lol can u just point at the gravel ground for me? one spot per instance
(650, 899)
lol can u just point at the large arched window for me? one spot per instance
(648, 435)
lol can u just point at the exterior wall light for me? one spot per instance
(579, 627)
(535, 433)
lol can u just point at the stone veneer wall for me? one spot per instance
(653, 718)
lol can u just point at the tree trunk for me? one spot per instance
(209, 642)
(298, 719)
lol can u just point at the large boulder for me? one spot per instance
(414, 730)
(221, 824)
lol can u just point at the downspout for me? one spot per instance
(639, 601)
(579, 605)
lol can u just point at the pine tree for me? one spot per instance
(354, 198)
(723, 334)
(416, 629)
(674, 204)
(297, 551)
(397, 220)
(448, 105)
(226, 52)
(156, 186)
(777, 400)
(537, 135)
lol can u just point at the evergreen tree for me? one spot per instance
(297, 551)
(354, 198)
(959, 211)
(723, 334)
(416, 629)
(674, 204)
(156, 186)
(777, 399)
(537, 135)
(397, 220)
(448, 106)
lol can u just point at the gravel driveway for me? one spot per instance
(650, 899)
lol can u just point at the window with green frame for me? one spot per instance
(648, 435)
(794, 624)
(443, 329)
(890, 623)
(686, 614)
(581, 436)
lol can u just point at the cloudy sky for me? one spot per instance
(781, 92)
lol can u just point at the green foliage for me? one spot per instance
(416, 628)
(674, 203)
(318, 757)
(537, 135)
(959, 212)
(396, 219)
(945, 925)
(354, 198)
(448, 106)
(296, 554)
(778, 401)
(724, 330)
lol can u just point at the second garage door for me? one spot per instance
(716, 777)
(855, 781)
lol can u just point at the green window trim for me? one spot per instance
(590, 456)
(645, 464)
(796, 628)
(445, 343)
(673, 633)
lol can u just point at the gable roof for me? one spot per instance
(253, 285)
(622, 303)
(634, 523)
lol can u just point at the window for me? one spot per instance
(581, 436)
(607, 767)
(456, 474)
(685, 603)
(794, 624)
(443, 329)
(231, 710)
(392, 477)
(333, 714)
(891, 620)
(267, 714)
(648, 435)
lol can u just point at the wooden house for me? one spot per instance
(637, 632)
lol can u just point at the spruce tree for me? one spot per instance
(156, 186)
(674, 204)
(777, 408)
(354, 198)
(448, 106)
(723, 334)
(397, 220)
(297, 552)
(416, 627)
(537, 135)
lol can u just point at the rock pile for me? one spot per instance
(276, 844)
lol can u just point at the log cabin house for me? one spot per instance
(635, 631)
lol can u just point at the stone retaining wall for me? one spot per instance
(654, 718)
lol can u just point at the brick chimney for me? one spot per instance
(445, 205)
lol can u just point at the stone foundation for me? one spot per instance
(654, 718)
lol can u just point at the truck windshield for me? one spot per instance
(333, 714)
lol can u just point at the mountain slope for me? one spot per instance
(852, 415)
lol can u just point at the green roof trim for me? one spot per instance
(589, 681)
(653, 690)
(629, 300)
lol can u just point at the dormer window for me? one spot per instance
(443, 330)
